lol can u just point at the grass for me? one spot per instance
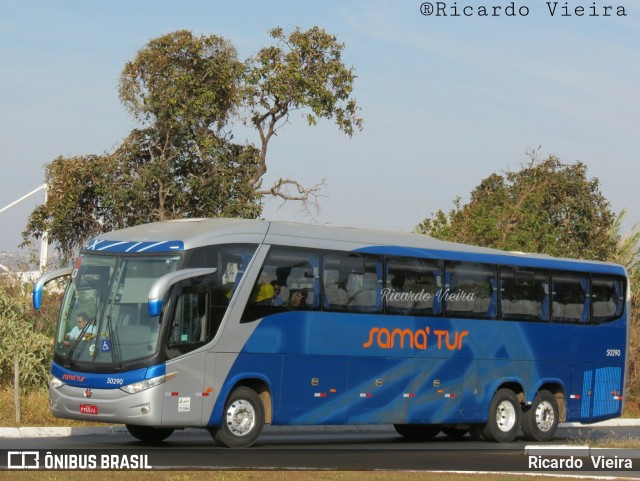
(34, 410)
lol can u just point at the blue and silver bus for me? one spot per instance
(228, 325)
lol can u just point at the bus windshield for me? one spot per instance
(104, 317)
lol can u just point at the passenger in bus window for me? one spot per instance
(262, 294)
(280, 293)
(298, 300)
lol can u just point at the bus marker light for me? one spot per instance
(366, 394)
(409, 395)
(440, 391)
(452, 395)
(175, 393)
(574, 396)
(333, 391)
(320, 394)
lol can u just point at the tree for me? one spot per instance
(186, 92)
(546, 207)
(304, 70)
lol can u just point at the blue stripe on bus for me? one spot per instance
(104, 245)
(497, 258)
(105, 381)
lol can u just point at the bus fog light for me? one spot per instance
(137, 387)
(145, 409)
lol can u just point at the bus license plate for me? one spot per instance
(88, 409)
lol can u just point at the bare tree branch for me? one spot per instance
(292, 190)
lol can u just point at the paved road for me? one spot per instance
(279, 448)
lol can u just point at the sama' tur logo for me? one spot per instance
(88, 393)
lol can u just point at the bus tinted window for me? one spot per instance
(470, 290)
(413, 287)
(570, 297)
(288, 280)
(607, 294)
(524, 294)
(352, 282)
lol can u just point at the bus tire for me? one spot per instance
(417, 431)
(242, 419)
(149, 434)
(504, 417)
(540, 420)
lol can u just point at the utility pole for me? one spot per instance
(45, 238)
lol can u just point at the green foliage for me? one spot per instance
(185, 90)
(304, 70)
(23, 333)
(546, 207)
(179, 81)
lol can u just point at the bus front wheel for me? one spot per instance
(540, 421)
(149, 434)
(242, 419)
(504, 417)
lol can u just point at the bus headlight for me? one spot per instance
(54, 382)
(143, 385)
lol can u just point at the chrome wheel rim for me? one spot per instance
(506, 416)
(544, 416)
(241, 417)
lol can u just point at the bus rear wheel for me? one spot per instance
(242, 419)
(417, 431)
(540, 421)
(149, 434)
(504, 417)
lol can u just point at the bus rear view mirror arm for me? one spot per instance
(161, 286)
(38, 287)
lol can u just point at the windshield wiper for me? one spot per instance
(80, 337)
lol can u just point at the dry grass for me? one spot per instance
(34, 410)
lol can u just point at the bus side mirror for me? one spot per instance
(161, 286)
(38, 287)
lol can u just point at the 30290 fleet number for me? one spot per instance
(115, 380)
(614, 353)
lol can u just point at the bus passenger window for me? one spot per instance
(470, 290)
(524, 294)
(607, 294)
(412, 287)
(289, 280)
(570, 297)
(352, 282)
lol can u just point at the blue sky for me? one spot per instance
(446, 101)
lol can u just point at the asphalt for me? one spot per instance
(58, 432)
